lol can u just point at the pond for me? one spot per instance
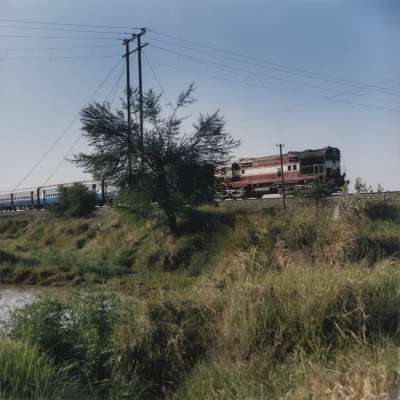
(12, 297)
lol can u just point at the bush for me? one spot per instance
(77, 332)
(137, 204)
(383, 208)
(75, 201)
(7, 258)
(178, 335)
(26, 374)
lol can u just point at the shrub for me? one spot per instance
(137, 204)
(75, 201)
(26, 374)
(383, 208)
(77, 332)
(366, 202)
(375, 247)
(7, 258)
(179, 334)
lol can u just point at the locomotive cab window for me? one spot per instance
(294, 167)
(289, 167)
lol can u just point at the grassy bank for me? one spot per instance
(241, 303)
(39, 248)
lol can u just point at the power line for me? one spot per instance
(288, 108)
(114, 89)
(54, 144)
(231, 68)
(247, 62)
(59, 37)
(59, 48)
(281, 66)
(20, 21)
(58, 57)
(163, 92)
(239, 82)
(79, 138)
(60, 29)
(309, 103)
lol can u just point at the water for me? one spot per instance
(12, 297)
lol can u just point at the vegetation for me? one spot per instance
(27, 374)
(240, 302)
(168, 166)
(316, 191)
(75, 201)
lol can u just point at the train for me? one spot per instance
(43, 196)
(262, 176)
(246, 177)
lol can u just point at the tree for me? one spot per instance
(75, 201)
(178, 166)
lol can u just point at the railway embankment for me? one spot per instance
(241, 302)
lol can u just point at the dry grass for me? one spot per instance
(358, 376)
(243, 304)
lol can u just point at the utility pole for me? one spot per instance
(128, 100)
(283, 178)
(139, 54)
(128, 106)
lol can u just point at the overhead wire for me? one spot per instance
(311, 102)
(58, 57)
(247, 57)
(57, 48)
(61, 29)
(112, 92)
(163, 92)
(233, 68)
(21, 21)
(239, 82)
(161, 88)
(59, 37)
(65, 131)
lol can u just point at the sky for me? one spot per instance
(304, 73)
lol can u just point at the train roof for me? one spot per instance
(29, 189)
(300, 154)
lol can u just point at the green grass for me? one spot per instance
(25, 373)
(240, 303)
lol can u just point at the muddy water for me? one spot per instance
(12, 297)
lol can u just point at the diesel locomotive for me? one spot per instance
(259, 176)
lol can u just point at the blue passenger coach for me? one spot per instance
(43, 196)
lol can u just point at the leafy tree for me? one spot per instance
(178, 167)
(75, 201)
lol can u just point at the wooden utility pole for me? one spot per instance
(128, 110)
(282, 177)
(139, 54)
(129, 101)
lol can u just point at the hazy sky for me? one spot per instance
(318, 73)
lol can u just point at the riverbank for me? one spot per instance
(239, 304)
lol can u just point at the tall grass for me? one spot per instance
(311, 308)
(25, 373)
(237, 304)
